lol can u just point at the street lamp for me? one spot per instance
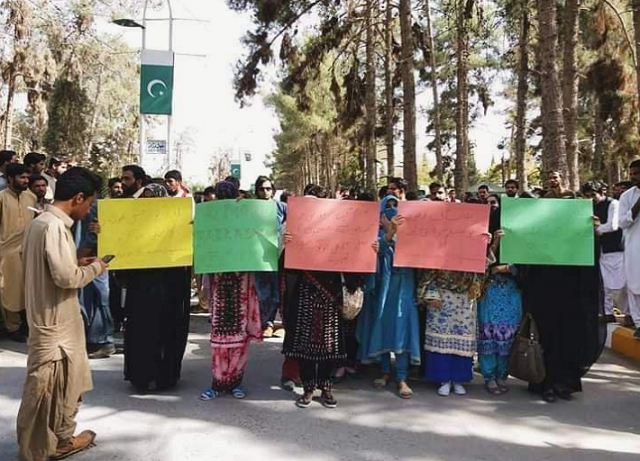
(125, 22)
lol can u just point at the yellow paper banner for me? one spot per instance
(146, 233)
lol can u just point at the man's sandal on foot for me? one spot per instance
(80, 442)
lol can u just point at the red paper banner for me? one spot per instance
(443, 235)
(331, 235)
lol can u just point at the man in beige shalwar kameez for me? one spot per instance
(14, 218)
(58, 368)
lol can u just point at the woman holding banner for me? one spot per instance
(566, 302)
(235, 321)
(157, 320)
(315, 335)
(389, 318)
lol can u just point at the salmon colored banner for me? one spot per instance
(443, 235)
(332, 235)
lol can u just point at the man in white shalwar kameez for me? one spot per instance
(611, 248)
(629, 221)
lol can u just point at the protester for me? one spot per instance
(630, 223)
(398, 187)
(174, 185)
(437, 192)
(55, 170)
(611, 248)
(312, 317)
(494, 202)
(115, 188)
(566, 304)
(15, 216)
(38, 185)
(453, 196)
(483, 193)
(34, 162)
(235, 321)
(383, 192)
(133, 180)
(499, 315)
(209, 194)
(94, 298)
(511, 187)
(268, 283)
(389, 318)
(7, 157)
(58, 372)
(157, 319)
(450, 340)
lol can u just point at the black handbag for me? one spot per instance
(526, 360)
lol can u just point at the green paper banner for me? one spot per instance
(235, 236)
(547, 231)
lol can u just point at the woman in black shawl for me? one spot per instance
(314, 330)
(566, 302)
(157, 321)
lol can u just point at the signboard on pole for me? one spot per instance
(156, 82)
(156, 146)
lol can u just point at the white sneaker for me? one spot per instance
(459, 389)
(445, 389)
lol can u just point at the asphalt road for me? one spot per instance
(600, 424)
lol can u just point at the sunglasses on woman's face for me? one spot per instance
(265, 189)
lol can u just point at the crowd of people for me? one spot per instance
(431, 324)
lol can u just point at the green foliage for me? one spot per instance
(68, 127)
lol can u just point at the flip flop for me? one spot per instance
(405, 392)
(239, 392)
(381, 383)
(209, 394)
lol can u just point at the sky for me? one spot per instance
(204, 102)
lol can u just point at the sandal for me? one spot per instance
(209, 394)
(304, 401)
(502, 384)
(404, 391)
(328, 400)
(493, 388)
(381, 382)
(239, 392)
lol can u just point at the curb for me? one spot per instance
(620, 339)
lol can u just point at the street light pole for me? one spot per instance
(143, 26)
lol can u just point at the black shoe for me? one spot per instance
(18, 336)
(610, 318)
(548, 396)
(563, 394)
(304, 401)
(636, 335)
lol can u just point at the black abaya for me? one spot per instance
(157, 310)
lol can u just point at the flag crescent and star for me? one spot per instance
(156, 82)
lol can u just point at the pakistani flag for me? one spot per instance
(156, 82)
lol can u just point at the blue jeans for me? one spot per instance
(402, 365)
(94, 301)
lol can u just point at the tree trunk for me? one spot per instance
(8, 115)
(636, 32)
(598, 151)
(409, 97)
(521, 99)
(570, 90)
(461, 170)
(553, 142)
(434, 87)
(388, 89)
(370, 101)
